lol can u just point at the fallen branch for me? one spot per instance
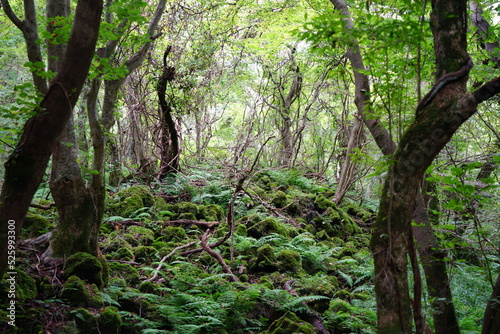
(157, 270)
(43, 207)
(217, 256)
(192, 222)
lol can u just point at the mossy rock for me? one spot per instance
(24, 286)
(109, 321)
(289, 261)
(125, 271)
(266, 227)
(35, 225)
(187, 216)
(279, 199)
(318, 285)
(356, 211)
(126, 207)
(150, 287)
(322, 203)
(139, 236)
(211, 212)
(174, 234)
(241, 229)
(85, 266)
(84, 320)
(141, 191)
(339, 305)
(117, 248)
(265, 260)
(144, 254)
(160, 204)
(290, 323)
(77, 293)
(184, 207)
(266, 281)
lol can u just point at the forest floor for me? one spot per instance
(190, 255)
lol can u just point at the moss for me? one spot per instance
(322, 203)
(343, 295)
(125, 271)
(35, 225)
(160, 204)
(174, 234)
(279, 199)
(109, 321)
(150, 287)
(68, 327)
(77, 293)
(290, 323)
(117, 248)
(141, 191)
(266, 281)
(126, 207)
(187, 216)
(266, 227)
(185, 207)
(144, 254)
(138, 236)
(86, 267)
(24, 285)
(356, 211)
(84, 320)
(265, 261)
(212, 212)
(339, 305)
(289, 261)
(241, 229)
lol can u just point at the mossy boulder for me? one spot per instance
(144, 254)
(290, 323)
(322, 203)
(150, 287)
(109, 321)
(265, 260)
(211, 212)
(85, 266)
(289, 261)
(24, 286)
(84, 320)
(184, 208)
(117, 248)
(35, 225)
(125, 271)
(265, 227)
(78, 293)
(138, 235)
(279, 199)
(141, 191)
(241, 229)
(174, 234)
(126, 207)
(160, 204)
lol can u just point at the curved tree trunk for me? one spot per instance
(169, 138)
(25, 167)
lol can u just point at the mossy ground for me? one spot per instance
(294, 255)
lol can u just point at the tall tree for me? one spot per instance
(26, 165)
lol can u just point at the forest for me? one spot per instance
(249, 166)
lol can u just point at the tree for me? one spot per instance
(26, 165)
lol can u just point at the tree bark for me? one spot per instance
(26, 165)
(169, 138)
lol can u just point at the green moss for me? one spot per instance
(290, 323)
(117, 248)
(138, 236)
(77, 293)
(144, 254)
(322, 203)
(185, 207)
(266, 281)
(85, 266)
(84, 320)
(289, 261)
(174, 234)
(35, 225)
(109, 321)
(150, 287)
(125, 271)
(187, 216)
(212, 212)
(160, 204)
(265, 261)
(141, 191)
(25, 286)
(241, 229)
(339, 305)
(279, 199)
(126, 207)
(266, 227)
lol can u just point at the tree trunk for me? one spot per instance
(25, 167)
(170, 148)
